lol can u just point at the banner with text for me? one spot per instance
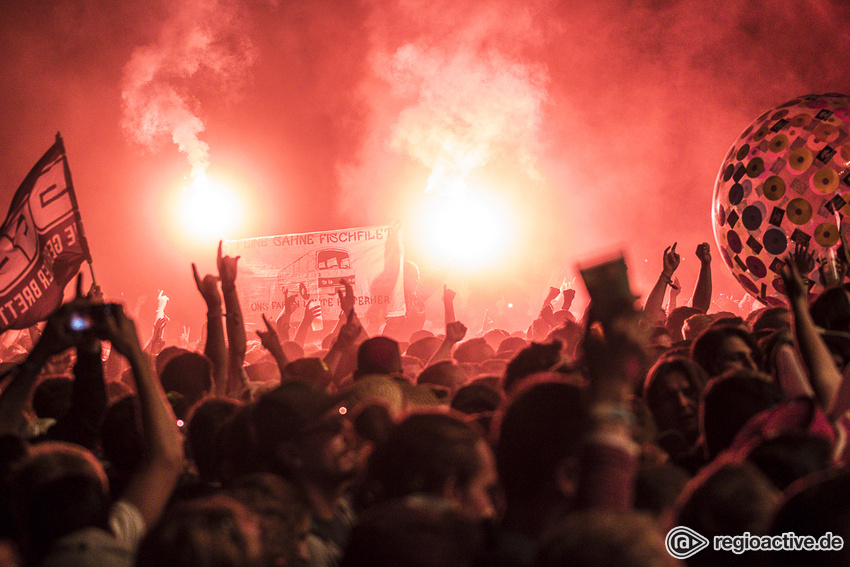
(309, 266)
(41, 243)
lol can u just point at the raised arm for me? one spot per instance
(672, 301)
(271, 342)
(237, 342)
(343, 348)
(54, 339)
(455, 330)
(824, 376)
(310, 313)
(285, 315)
(702, 291)
(449, 304)
(214, 347)
(652, 310)
(150, 487)
(609, 458)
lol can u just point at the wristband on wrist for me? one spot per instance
(669, 281)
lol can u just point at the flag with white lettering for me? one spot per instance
(42, 243)
(309, 267)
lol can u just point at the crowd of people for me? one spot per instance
(580, 440)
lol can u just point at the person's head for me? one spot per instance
(510, 346)
(439, 454)
(569, 334)
(494, 337)
(204, 423)
(599, 538)
(238, 451)
(473, 351)
(423, 348)
(165, 355)
(186, 378)
(727, 497)
(415, 531)
(694, 325)
(729, 401)
(378, 355)
(283, 513)
(814, 506)
(121, 439)
(791, 456)
(771, 319)
(677, 319)
(411, 366)
(831, 309)
(671, 393)
(217, 530)
(302, 433)
(538, 433)
(478, 396)
(657, 486)
(530, 360)
(445, 377)
(725, 347)
(308, 369)
(57, 489)
(52, 397)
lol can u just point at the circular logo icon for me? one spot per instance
(682, 542)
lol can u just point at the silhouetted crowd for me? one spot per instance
(581, 440)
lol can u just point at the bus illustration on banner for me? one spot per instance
(320, 272)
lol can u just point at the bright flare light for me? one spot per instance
(208, 210)
(465, 230)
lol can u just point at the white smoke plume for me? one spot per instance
(200, 42)
(472, 96)
(470, 107)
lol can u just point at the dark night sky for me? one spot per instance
(602, 124)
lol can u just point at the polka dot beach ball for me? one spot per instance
(786, 180)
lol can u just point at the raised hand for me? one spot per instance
(455, 331)
(803, 260)
(346, 298)
(675, 288)
(226, 268)
(208, 286)
(349, 332)
(448, 294)
(703, 253)
(795, 289)
(269, 338)
(311, 312)
(161, 302)
(56, 337)
(569, 296)
(184, 336)
(449, 304)
(157, 342)
(290, 303)
(670, 261)
(95, 293)
(121, 333)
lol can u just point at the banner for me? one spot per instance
(42, 243)
(309, 266)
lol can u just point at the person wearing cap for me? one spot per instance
(304, 438)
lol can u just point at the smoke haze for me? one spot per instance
(602, 124)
